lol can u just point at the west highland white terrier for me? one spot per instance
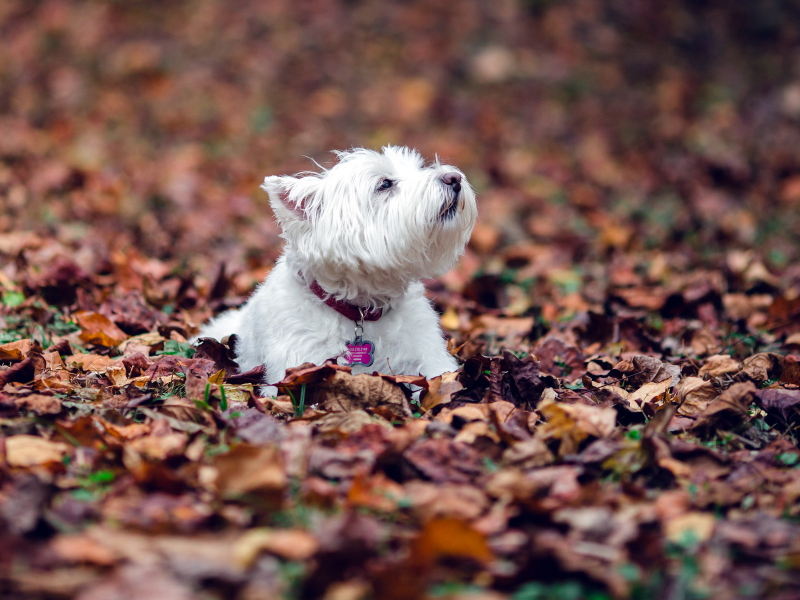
(359, 238)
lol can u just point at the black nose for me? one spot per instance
(453, 180)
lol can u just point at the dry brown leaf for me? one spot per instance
(81, 548)
(53, 361)
(441, 390)
(282, 405)
(694, 394)
(55, 582)
(15, 351)
(449, 537)
(502, 410)
(641, 369)
(99, 329)
(762, 366)
(377, 492)
(248, 469)
(471, 431)
(529, 453)
(346, 392)
(730, 408)
(348, 422)
(126, 432)
(467, 413)
(159, 447)
(573, 423)
(650, 392)
(429, 500)
(116, 375)
(39, 404)
(719, 365)
(90, 362)
(705, 342)
(290, 544)
(143, 343)
(503, 328)
(696, 525)
(624, 395)
(30, 450)
(791, 371)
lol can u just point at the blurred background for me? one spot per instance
(612, 143)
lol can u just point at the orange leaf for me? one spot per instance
(450, 537)
(99, 329)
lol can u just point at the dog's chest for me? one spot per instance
(383, 345)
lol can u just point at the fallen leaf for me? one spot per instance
(762, 366)
(530, 453)
(650, 392)
(441, 390)
(719, 365)
(90, 362)
(290, 544)
(443, 460)
(430, 501)
(158, 447)
(641, 369)
(249, 469)
(783, 403)
(377, 492)
(449, 537)
(573, 423)
(694, 394)
(99, 329)
(39, 404)
(15, 351)
(346, 392)
(348, 422)
(81, 548)
(791, 371)
(691, 526)
(134, 343)
(729, 409)
(30, 450)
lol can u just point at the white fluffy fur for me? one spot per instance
(367, 246)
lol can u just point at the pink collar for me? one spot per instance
(347, 310)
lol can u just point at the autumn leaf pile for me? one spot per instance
(627, 316)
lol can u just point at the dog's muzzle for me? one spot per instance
(453, 181)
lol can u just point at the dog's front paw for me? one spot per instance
(268, 391)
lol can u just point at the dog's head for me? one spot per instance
(374, 222)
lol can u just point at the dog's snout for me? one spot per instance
(453, 180)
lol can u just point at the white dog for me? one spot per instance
(359, 238)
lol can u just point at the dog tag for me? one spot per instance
(359, 352)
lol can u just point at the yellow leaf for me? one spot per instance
(217, 377)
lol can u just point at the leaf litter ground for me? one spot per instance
(607, 457)
(624, 423)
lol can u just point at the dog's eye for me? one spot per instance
(385, 184)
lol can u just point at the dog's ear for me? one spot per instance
(289, 196)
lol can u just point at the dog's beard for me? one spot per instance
(450, 207)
